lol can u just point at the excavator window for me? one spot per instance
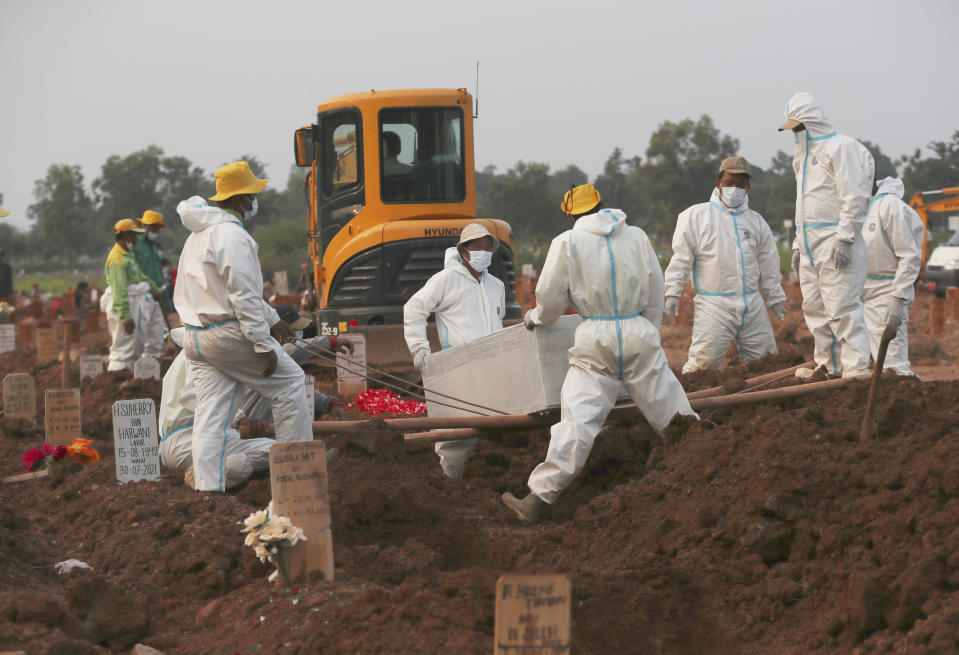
(421, 154)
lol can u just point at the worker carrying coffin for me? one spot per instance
(731, 254)
(893, 234)
(609, 272)
(834, 177)
(232, 333)
(469, 303)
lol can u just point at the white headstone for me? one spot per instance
(351, 367)
(146, 367)
(280, 283)
(528, 270)
(954, 223)
(532, 614)
(136, 442)
(8, 337)
(90, 366)
(19, 397)
(310, 383)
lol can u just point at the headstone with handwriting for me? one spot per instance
(310, 384)
(135, 440)
(20, 397)
(299, 486)
(48, 346)
(8, 337)
(61, 409)
(532, 614)
(351, 367)
(90, 366)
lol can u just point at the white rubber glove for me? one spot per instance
(897, 313)
(419, 359)
(795, 261)
(841, 255)
(779, 309)
(528, 320)
(671, 310)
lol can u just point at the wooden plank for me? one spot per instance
(532, 614)
(42, 474)
(298, 483)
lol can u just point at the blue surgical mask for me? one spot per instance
(480, 260)
(732, 196)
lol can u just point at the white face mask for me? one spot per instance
(732, 196)
(480, 260)
(152, 237)
(251, 212)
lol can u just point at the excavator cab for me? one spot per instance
(391, 185)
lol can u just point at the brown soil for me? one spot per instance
(761, 529)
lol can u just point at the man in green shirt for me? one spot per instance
(129, 301)
(147, 255)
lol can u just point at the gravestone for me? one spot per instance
(310, 384)
(136, 442)
(8, 337)
(48, 346)
(532, 614)
(299, 487)
(90, 366)
(146, 367)
(20, 397)
(351, 367)
(281, 284)
(61, 410)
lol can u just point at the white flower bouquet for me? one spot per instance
(266, 533)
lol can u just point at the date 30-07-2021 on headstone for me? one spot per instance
(135, 440)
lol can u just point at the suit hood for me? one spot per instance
(605, 222)
(803, 107)
(892, 186)
(197, 215)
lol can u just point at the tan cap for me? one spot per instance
(475, 231)
(790, 124)
(126, 225)
(735, 165)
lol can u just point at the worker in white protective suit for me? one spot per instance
(243, 457)
(468, 303)
(893, 233)
(610, 274)
(731, 254)
(232, 333)
(834, 176)
(130, 300)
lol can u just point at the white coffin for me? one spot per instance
(515, 370)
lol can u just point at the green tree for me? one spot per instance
(772, 192)
(680, 168)
(885, 167)
(523, 196)
(926, 174)
(64, 216)
(621, 186)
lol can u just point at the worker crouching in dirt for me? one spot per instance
(609, 272)
(130, 300)
(232, 333)
(469, 303)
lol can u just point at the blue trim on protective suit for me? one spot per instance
(832, 352)
(212, 325)
(880, 277)
(174, 431)
(742, 268)
(612, 318)
(619, 327)
(226, 435)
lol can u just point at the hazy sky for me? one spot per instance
(560, 82)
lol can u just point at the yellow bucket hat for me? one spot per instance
(580, 199)
(151, 217)
(235, 179)
(126, 225)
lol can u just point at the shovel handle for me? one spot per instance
(867, 427)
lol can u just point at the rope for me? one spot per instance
(331, 356)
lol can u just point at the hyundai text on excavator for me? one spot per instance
(391, 185)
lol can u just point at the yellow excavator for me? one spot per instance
(391, 185)
(942, 269)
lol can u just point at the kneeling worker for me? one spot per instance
(469, 303)
(609, 272)
(731, 253)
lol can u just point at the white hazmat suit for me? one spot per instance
(834, 176)
(893, 234)
(244, 457)
(218, 297)
(610, 274)
(126, 349)
(732, 258)
(466, 309)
